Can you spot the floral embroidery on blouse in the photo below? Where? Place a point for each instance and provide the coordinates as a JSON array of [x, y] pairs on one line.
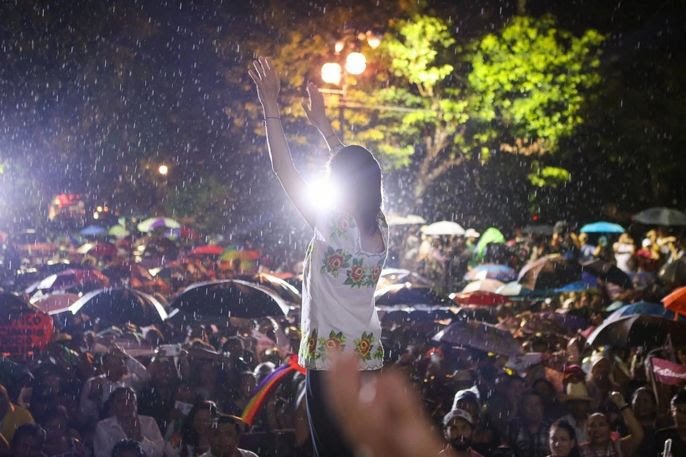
[[335, 260], [319, 348]]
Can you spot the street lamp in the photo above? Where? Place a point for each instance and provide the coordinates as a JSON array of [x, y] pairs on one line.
[[163, 170]]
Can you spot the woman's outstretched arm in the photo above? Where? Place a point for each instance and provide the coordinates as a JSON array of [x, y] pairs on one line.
[[268, 84], [316, 114]]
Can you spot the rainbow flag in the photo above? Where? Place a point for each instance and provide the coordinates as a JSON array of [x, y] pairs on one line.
[[268, 384]]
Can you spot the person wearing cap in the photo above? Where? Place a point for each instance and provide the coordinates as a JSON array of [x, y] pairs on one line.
[[600, 382], [226, 432], [458, 430], [468, 400], [578, 403]]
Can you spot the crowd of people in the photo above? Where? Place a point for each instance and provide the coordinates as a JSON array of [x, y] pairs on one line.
[[84, 394]]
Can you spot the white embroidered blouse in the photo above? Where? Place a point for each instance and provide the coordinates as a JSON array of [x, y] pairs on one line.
[[339, 281]]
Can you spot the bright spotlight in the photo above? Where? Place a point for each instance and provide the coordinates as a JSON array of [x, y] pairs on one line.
[[322, 194], [163, 170], [331, 73], [355, 63]]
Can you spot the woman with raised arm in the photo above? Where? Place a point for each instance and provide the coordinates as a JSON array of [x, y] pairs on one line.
[[344, 259]]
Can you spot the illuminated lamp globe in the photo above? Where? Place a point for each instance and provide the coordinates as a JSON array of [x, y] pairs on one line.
[[163, 170], [373, 41], [331, 73], [355, 63]]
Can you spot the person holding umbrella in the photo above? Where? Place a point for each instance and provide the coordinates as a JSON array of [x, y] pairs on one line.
[[344, 259]]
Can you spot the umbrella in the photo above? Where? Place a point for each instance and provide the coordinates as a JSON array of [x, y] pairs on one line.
[[229, 298], [608, 272], [576, 286], [491, 235], [549, 272], [74, 280], [99, 249], [118, 231], [12, 305], [53, 303], [208, 249], [120, 305], [479, 335], [153, 223], [277, 285], [642, 308], [602, 227], [443, 228], [513, 289], [676, 301], [480, 298], [408, 294], [661, 216], [542, 229], [502, 273], [410, 219], [638, 330], [398, 275], [92, 230], [483, 285]]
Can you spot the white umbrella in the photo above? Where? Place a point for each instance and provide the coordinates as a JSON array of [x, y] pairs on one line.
[[410, 219], [443, 228], [483, 285]]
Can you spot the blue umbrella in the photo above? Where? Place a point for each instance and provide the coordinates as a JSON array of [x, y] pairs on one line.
[[502, 273], [92, 230], [643, 308], [602, 227]]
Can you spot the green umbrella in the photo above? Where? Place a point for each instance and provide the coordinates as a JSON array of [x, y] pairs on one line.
[[491, 235], [118, 231]]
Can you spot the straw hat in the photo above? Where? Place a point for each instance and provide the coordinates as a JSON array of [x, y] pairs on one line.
[[576, 391]]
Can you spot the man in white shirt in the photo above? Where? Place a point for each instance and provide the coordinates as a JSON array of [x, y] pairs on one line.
[[226, 432], [119, 370], [125, 423]]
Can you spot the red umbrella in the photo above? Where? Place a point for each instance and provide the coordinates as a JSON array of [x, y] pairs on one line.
[[70, 279], [676, 301], [208, 249], [480, 298]]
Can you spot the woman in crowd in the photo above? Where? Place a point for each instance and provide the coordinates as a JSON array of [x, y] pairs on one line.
[[563, 440], [600, 443], [194, 438]]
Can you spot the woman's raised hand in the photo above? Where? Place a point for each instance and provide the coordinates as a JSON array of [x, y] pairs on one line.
[[314, 108], [267, 81]]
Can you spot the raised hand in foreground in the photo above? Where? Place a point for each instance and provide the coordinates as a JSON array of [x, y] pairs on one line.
[[382, 417]]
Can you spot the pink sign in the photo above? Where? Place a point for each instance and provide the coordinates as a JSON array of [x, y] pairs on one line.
[[669, 373]]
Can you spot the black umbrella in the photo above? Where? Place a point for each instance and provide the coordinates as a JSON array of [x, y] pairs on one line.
[[661, 216], [542, 229], [638, 330], [217, 300], [120, 305], [549, 272], [408, 294], [479, 335], [283, 289], [608, 272], [12, 306]]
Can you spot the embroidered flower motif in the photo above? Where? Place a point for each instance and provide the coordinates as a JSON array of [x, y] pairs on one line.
[[335, 260], [335, 342], [374, 274], [340, 226], [363, 345], [311, 346], [378, 354], [356, 274]]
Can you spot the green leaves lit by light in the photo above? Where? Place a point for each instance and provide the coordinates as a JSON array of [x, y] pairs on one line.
[[548, 176], [533, 79]]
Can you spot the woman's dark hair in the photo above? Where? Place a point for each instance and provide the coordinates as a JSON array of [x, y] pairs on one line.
[[190, 436], [563, 424], [356, 169], [106, 410], [127, 445]]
